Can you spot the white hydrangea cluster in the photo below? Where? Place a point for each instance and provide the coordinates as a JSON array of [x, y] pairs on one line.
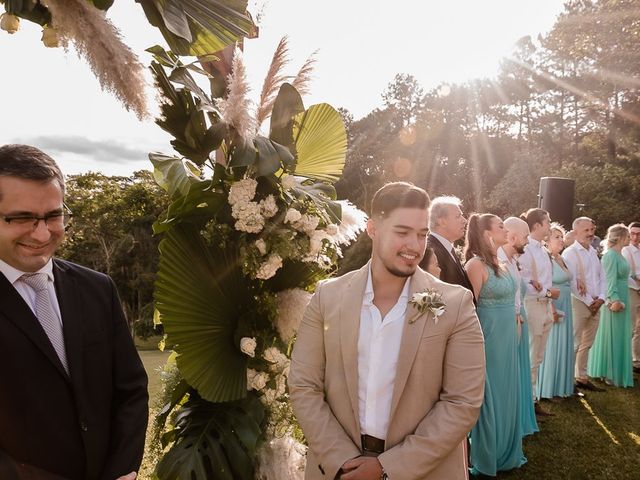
[[242, 191], [256, 380], [269, 268], [268, 207], [248, 217]]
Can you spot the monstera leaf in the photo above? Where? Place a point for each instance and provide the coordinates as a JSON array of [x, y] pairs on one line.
[[320, 143], [202, 298], [199, 27], [213, 441]]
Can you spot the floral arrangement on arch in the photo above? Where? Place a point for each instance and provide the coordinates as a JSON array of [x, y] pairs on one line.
[[253, 224]]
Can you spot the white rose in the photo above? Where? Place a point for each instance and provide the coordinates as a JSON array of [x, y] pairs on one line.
[[248, 346], [256, 380], [269, 268]]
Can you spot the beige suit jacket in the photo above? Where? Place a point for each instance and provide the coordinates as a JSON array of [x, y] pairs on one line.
[[438, 389]]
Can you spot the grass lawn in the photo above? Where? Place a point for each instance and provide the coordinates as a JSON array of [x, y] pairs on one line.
[[594, 438], [597, 437]]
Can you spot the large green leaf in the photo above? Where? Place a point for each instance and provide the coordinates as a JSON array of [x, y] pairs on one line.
[[286, 106], [320, 143], [214, 441], [202, 298], [173, 174], [199, 27]]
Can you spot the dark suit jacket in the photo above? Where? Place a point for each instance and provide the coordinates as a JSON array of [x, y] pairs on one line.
[[450, 270], [90, 426]]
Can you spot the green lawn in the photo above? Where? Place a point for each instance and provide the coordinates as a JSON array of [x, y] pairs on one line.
[[597, 437], [594, 438]]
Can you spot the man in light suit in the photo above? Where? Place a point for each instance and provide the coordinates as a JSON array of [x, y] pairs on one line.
[[447, 225], [380, 388], [74, 400]]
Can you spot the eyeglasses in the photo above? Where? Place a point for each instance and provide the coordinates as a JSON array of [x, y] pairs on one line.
[[54, 221]]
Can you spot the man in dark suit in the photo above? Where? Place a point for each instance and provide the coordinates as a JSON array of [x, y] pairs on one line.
[[74, 399], [447, 225]]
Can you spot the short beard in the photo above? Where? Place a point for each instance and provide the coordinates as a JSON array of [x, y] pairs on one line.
[[398, 273]]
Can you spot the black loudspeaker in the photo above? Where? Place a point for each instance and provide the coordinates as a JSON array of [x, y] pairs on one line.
[[556, 197]]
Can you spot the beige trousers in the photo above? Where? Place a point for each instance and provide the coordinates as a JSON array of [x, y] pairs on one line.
[[539, 321], [585, 326], [634, 310]]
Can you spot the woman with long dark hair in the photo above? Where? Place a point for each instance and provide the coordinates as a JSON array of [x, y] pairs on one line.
[[496, 440]]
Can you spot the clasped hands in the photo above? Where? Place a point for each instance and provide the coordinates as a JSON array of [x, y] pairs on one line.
[[616, 306], [360, 468]]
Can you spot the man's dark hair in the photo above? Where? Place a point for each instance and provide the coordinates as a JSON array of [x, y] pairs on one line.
[[29, 163], [634, 225], [533, 216], [398, 195]]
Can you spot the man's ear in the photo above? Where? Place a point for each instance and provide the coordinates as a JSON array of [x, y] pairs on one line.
[[371, 228]]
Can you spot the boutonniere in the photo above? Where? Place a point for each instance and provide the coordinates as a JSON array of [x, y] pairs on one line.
[[428, 301]]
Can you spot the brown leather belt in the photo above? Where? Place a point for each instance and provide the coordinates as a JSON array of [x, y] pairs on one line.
[[372, 445]]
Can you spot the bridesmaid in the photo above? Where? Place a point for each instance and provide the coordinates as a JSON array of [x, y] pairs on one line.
[[496, 439], [557, 368], [610, 355]]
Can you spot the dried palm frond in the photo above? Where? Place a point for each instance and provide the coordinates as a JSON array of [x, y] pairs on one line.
[[96, 39], [303, 79], [272, 81], [235, 108]]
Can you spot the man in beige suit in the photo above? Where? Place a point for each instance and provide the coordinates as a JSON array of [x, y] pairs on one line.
[[381, 388]]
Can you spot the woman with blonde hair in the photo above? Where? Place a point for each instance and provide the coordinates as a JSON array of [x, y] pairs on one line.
[[610, 355], [557, 368], [496, 440]]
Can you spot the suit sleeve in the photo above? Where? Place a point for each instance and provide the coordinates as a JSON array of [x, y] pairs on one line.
[[456, 411], [327, 439], [130, 409]]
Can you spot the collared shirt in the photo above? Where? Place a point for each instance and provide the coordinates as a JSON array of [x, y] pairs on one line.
[[445, 243], [378, 350], [28, 293], [632, 255], [512, 266], [543, 270], [594, 278]]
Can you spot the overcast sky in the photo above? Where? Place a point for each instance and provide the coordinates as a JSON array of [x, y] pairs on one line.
[[50, 98]]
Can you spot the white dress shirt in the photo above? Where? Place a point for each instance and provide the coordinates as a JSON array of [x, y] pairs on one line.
[[632, 255], [594, 278], [535, 252], [28, 293], [378, 350], [512, 266], [446, 243]]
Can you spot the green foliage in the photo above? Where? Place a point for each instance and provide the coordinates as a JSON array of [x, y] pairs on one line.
[[213, 441], [205, 306], [199, 27]]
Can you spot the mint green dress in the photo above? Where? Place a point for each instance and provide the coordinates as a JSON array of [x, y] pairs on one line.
[[557, 368], [496, 438], [610, 355]]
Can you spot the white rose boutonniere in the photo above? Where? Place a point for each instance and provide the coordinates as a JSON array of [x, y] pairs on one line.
[[428, 301]]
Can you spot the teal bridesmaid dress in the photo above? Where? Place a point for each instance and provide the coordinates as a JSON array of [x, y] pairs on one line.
[[557, 368], [610, 355], [496, 439], [528, 422]]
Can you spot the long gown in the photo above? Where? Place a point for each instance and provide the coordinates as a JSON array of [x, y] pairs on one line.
[[496, 439], [557, 368], [610, 355], [528, 422]]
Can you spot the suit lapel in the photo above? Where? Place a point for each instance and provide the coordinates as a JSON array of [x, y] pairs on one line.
[[350, 311], [71, 313], [411, 335], [18, 312]]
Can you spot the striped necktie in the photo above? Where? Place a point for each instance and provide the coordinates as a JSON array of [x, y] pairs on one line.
[[46, 314]]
